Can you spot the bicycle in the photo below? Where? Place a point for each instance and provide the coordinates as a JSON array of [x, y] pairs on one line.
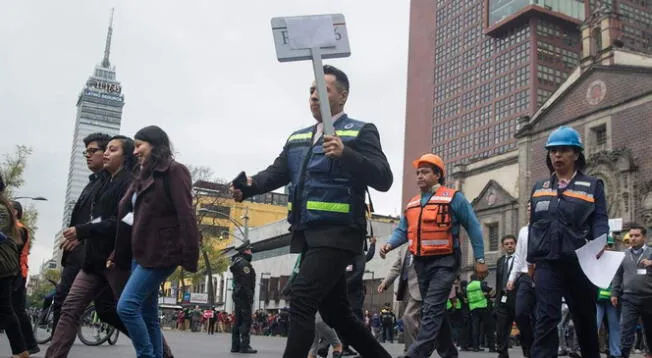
[[43, 328], [92, 331]]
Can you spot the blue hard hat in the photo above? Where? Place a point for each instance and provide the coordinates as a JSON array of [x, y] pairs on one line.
[[564, 137]]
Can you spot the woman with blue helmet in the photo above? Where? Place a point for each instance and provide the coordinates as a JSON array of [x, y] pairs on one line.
[[568, 208]]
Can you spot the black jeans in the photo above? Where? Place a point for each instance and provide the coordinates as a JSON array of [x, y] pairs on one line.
[[634, 307], [481, 326], [388, 333], [554, 280], [505, 313], [524, 315], [240, 333], [18, 301], [68, 275], [320, 286], [8, 319]]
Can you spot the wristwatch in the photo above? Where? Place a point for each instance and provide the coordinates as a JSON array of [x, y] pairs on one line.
[[480, 260]]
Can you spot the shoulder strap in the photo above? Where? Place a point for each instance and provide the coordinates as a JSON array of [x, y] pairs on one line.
[[370, 213]]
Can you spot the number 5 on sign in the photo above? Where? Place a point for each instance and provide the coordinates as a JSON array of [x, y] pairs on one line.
[[301, 38]]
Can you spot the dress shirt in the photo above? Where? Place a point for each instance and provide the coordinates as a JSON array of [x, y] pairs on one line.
[[520, 255], [319, 129]]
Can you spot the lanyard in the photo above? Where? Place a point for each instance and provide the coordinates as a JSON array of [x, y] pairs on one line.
[[638, 259]]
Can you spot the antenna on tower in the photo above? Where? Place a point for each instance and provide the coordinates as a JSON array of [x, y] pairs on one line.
[[107, 48]]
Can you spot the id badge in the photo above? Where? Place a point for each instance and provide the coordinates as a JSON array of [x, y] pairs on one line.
[[641, 271], [129, 219], [503, 299], [349, 268]]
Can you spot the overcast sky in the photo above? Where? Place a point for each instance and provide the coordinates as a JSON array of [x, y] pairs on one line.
[[206, 72]]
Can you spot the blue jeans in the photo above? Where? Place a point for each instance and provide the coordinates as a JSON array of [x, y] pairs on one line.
[[138, 309], [613, 321]]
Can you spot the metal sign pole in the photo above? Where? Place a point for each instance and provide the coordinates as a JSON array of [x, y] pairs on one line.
[[324, 105]]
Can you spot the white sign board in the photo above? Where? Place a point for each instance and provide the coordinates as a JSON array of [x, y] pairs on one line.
[[167, 300], [616, 225], [199, 298], [295, 36]]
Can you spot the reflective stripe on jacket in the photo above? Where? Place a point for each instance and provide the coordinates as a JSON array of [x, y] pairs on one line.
[[562, 220], [321, 191], [430, 226]]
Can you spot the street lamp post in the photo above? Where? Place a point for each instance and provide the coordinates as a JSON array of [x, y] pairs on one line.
[[260, 286], [371, 302]]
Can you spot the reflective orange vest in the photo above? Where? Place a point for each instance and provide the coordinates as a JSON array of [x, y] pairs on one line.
[[24, 253], [430, 227]]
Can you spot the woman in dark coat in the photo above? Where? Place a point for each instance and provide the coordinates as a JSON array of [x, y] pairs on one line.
[[157, 232]]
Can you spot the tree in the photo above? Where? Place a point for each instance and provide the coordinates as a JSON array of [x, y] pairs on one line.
[[211, 261], [12, 169], [42, 287]]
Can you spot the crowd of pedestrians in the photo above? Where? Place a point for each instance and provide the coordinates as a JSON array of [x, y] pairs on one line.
[[131, 227]]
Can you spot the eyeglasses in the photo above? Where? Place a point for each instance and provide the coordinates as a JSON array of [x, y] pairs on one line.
[[91, 151]]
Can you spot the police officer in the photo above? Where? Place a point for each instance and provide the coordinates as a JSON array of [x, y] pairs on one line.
[[328, 177], [244, 278], [431, 225], [568, 208], [388, 320]]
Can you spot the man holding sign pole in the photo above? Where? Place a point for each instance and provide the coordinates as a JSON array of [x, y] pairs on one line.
[[327, 176]]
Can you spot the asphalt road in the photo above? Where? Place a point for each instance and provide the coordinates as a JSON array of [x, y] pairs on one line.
[[186, 344]]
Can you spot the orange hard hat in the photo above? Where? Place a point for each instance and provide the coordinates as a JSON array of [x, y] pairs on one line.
[[431, 159]]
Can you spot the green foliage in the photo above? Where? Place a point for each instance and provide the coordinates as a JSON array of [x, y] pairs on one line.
[[12, 169], [42, 287]]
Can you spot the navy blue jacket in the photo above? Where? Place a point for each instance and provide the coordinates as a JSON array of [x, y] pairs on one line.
[[562, 220], [327, 195]]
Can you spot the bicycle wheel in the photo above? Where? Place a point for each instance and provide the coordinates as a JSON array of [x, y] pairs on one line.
[[43, 330], [113, 337], [92, 331]]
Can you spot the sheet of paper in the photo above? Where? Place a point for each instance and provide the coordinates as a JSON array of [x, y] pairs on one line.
[[616, 225], [599, 271], [310, 31]]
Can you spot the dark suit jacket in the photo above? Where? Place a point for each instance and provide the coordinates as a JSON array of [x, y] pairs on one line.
[[98, 235], [81, 214], [364, 159], [164, 231], [501, 271]]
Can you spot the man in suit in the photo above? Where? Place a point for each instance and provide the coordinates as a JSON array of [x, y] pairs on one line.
[[408, 290], [505, 298]]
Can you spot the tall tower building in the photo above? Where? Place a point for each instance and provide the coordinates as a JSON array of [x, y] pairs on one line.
[[476, 66], [99, 109]]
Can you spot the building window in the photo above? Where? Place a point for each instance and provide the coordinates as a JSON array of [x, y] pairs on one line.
[[492, 235], [598, 139]]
